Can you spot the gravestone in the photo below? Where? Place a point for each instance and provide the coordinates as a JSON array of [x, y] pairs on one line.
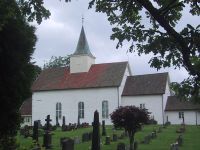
[[121, 146], [47, 135], [77, 140], [114, 137], [107, 140], [78, 123], [57, 122], [90, 136], [85, 137], [135, 145], [68, 144], [122, 135], [63, 124], [174, 146], [180, 140], [153, 135], [146, 139], [103, 128], [159, 129], [35, 131]]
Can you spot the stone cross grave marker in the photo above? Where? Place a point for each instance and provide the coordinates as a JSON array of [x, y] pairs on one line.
[[47, 135], [48, 120]]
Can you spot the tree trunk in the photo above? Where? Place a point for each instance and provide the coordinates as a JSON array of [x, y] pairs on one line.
[[131, 139]]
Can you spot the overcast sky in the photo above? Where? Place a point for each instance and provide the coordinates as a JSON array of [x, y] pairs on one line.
[[58, 36]]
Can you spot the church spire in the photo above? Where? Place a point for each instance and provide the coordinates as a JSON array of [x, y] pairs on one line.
[[82, 46]]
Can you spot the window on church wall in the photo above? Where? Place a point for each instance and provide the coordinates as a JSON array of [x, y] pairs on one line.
[[58, 110], [81, 110], [142, 106], [181, 115], [105, 109]]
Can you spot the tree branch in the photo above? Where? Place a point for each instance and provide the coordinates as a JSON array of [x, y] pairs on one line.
[[185, 51]]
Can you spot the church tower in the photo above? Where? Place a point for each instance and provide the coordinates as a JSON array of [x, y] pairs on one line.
[[82, 59]]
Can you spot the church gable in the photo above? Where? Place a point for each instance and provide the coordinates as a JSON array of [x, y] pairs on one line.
[[99, 75]]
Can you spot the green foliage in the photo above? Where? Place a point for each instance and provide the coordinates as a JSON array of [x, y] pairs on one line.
[[170, 47], [17, 42], [130, 118], [57, 62]]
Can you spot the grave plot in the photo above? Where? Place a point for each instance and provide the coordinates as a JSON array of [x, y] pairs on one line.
[[162, 141]]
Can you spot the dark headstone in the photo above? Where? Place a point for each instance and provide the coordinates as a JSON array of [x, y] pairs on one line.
[[85, 137], [159, 130], [78, 123], [47, 140], [47, 135], [48, 125], [35, 131], [57, 122], [77, 140], [90, 135], [153, 135], [103, 128], [115, 137], [174, 146], [107, 140], [180, 140], [96, 132], [146, 139], [135, 145], [121, 146], [68, 144], [26, 132]]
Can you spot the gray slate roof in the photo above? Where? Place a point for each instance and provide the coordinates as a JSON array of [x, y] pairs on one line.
[[82, 46], [149, 84], [26, 108], [175, 104]]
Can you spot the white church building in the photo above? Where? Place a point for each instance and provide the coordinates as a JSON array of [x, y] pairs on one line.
[[83, 87]]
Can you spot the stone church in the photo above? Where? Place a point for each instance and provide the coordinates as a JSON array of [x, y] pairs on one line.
[[83, 87]]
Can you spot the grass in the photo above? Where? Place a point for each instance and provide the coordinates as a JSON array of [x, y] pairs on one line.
[[162, 142]]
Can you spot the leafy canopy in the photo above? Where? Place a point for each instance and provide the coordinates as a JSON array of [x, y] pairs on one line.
[[150, 28], [130, 118], [57, 62], [17, 44]]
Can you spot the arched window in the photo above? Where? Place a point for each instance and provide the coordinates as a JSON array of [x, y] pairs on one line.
[[81, 110], [105, 109], [58, 110]]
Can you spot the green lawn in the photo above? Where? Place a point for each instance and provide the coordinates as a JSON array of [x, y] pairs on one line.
[[162, 142]]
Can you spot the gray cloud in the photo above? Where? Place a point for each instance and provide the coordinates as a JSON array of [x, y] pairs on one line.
[[58, 36]]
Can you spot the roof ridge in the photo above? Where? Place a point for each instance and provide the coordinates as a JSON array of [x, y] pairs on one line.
[[149, 74], [112, 62]]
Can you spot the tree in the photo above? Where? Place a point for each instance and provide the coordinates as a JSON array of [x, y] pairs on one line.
[[17, 41], [57, 62], [170, 46], [130, 118]]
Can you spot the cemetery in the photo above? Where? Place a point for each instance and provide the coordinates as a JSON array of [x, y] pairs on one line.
[[80, 136]]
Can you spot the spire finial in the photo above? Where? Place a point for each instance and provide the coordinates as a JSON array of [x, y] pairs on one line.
[[82, 19]]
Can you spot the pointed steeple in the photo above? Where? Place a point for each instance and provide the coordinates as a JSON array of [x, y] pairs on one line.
[[82, 46], [82, 59]]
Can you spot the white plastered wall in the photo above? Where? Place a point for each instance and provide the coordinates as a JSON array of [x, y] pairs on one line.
[[165, 97], [152, 102], [121, 87], [44, 103], [80, 63], [189, 117]]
